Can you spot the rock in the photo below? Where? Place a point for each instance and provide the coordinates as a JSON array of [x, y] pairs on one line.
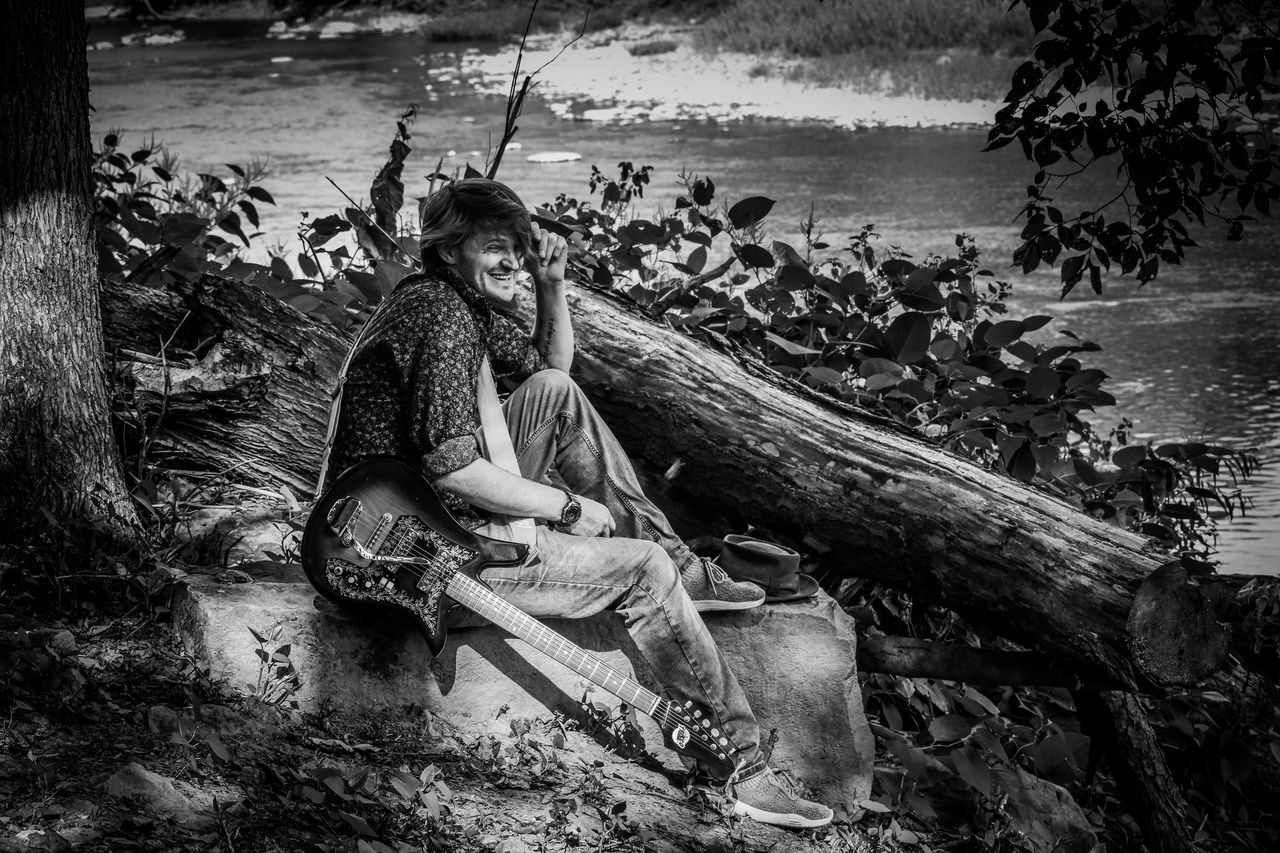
[[64, 643], [250, 543], [169, 724], [1048, 818], [48, 839], [154, 794], [795, 661], [554, 157]]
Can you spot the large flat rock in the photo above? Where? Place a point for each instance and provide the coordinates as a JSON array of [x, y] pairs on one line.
[[795, 661]]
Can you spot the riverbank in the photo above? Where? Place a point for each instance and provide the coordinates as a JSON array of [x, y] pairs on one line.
[[664, 72], [659, 73]]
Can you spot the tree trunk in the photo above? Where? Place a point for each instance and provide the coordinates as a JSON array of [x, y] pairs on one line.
[[56, 451]]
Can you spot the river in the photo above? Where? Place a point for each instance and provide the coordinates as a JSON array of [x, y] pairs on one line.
[[1191, 354]]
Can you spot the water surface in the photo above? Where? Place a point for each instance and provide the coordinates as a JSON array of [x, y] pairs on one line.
[[1191, 355]]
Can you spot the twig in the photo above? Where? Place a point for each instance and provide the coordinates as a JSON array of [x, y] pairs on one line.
[[415, 261], [515, 98]]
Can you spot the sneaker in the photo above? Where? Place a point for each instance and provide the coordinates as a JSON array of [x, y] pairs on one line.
[[712, 589], [768, 798]]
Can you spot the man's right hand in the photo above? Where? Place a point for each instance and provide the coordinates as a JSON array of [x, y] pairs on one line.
[[596, 520]]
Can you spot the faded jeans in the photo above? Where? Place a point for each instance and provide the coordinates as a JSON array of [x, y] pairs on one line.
[[554, 427]]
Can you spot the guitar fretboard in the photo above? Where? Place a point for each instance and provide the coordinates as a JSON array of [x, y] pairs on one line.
[[474, 596]]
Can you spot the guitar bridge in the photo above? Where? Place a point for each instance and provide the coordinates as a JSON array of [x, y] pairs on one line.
[[342, 520]]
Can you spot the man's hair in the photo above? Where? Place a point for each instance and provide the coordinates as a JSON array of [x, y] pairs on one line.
[[461, 208]]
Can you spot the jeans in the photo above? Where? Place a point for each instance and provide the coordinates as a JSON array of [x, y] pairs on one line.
[[636, 571]]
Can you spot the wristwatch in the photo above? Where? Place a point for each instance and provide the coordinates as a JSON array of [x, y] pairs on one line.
[[571, 512]]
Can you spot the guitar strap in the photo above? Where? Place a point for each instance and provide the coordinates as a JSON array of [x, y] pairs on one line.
[[335, 396], [499, 450]]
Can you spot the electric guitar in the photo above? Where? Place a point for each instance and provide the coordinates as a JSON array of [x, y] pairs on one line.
[[380, 537]]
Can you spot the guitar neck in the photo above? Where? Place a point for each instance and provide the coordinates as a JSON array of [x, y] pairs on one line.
[[475, 596]]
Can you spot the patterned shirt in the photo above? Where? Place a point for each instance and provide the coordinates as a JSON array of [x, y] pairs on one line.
[[410, 391]]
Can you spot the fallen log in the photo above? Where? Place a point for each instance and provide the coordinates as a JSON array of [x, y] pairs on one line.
[[916, 658], [220, 376]]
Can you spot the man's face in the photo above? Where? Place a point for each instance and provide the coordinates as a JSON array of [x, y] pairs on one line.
[[489, 261]]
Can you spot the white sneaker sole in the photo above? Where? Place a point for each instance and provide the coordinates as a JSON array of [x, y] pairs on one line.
[[790, 820], [702, 605]]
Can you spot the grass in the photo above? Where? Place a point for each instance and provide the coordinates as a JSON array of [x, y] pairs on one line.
[[951, 75], [837, 28]]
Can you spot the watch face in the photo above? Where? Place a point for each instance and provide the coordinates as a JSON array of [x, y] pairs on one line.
[[571, 513]]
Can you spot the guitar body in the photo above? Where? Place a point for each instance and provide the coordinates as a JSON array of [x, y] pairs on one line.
[[393, 513], [380, 538]]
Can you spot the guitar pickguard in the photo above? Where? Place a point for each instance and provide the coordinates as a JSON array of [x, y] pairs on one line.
[[411, 586]]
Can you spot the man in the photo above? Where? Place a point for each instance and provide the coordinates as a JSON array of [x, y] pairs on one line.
[[415, 390]]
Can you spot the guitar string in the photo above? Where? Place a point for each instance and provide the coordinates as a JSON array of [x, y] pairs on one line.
[[662, 706]]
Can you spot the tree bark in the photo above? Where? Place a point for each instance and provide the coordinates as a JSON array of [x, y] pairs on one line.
[[242, 389], [56, 451], [916, 658], [1141, 771]]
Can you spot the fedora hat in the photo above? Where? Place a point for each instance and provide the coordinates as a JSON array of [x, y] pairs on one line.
[[774, 567]]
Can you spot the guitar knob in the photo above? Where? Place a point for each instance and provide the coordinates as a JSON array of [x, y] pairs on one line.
[[715, 733]]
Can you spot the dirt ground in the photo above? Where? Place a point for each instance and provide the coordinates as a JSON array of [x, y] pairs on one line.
[[116, 739]]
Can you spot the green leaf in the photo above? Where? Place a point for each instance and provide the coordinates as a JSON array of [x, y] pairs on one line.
[[697, 260], [823, 376], [1022, 463], [181, 228], [704, 189], [217, 747], [897, 268], [359, 824], [791, 277], [250, 212], [1004, 333], [790, 347], [749, 211], [907, 337], [1043, 382], [755, 256], [921, 294], [972, 769], [787, 254], [951, 727], [1127, 457]]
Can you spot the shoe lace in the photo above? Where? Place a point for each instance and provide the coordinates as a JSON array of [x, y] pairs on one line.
[[715, 572]]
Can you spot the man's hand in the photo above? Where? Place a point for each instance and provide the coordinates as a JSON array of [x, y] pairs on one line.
[[596, 520], [547, 257]]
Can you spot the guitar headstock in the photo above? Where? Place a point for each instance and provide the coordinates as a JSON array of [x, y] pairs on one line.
[[690, 730]]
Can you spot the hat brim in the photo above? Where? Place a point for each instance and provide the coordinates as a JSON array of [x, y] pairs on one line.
[[807, 588]]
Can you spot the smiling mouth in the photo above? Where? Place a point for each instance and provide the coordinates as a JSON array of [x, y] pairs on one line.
[[501, 276]]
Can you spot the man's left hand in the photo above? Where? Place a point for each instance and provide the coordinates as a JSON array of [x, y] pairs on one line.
[[547, 257]]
